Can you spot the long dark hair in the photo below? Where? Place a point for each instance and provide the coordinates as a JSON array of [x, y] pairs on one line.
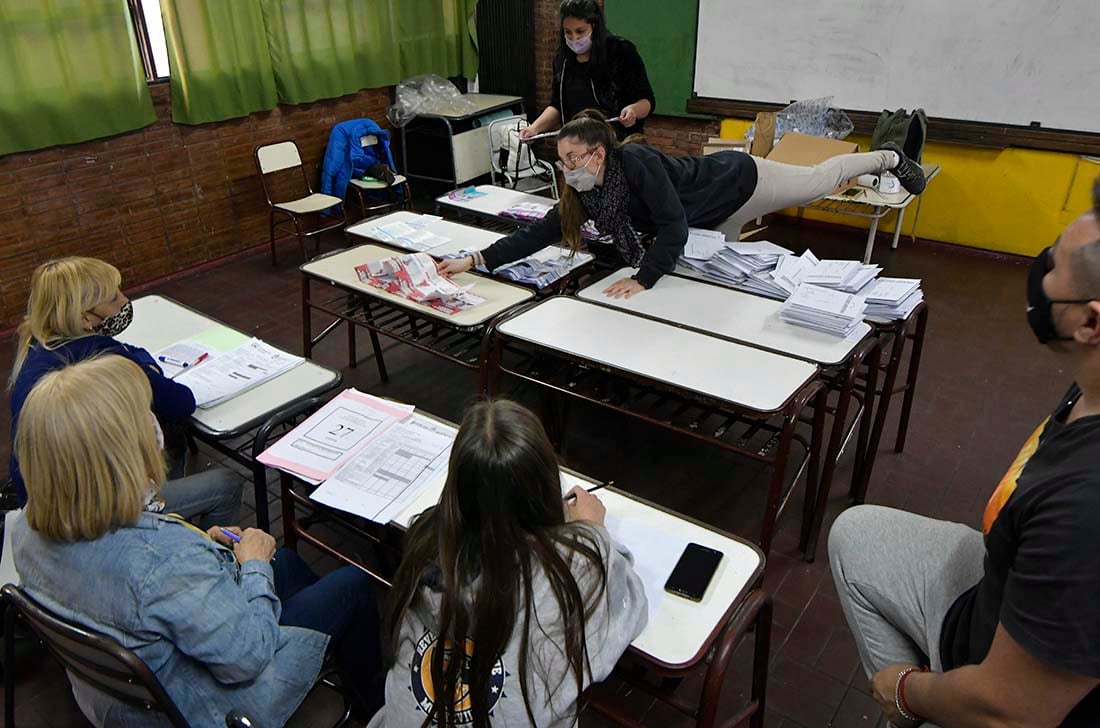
[[500, 521], [590, 12], [590, 128]]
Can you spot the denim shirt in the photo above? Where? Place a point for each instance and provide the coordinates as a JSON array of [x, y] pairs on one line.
[[206, 626]]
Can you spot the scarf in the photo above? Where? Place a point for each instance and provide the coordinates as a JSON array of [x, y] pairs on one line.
[[609, 207]]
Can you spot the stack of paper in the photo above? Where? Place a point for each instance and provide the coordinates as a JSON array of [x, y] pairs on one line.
[[735, 262], [589, 232], [318, 447], [527, 211], [823, 309], [236, 371], [893, 298], [703, 244], [411, 235], [415, 277]]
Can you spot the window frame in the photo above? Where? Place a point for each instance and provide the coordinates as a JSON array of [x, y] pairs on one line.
[[145, 45]]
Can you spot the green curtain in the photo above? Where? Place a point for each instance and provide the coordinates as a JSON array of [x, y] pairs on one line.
[[70, 71], [327, 48], [220, 65]]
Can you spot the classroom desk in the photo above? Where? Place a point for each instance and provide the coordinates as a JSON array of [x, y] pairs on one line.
[[722, 392], [467, 238], [457, 338], [489, 208], [438, 131], [873, 205], [683, 633], [160, 322], [754, 320], [897, 333]]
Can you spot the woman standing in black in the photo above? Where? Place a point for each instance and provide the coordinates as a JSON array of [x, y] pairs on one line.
[[595, 70]]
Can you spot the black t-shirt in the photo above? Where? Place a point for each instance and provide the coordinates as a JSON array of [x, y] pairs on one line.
[[1042, 563], [578, 91]]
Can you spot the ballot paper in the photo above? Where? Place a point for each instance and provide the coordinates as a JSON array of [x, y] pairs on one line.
[[410, 234], [823, 309], [466, 193], [893, 298], [540, 270], [388, 474], [235, 371], [527, 211], [655, 553], [318, 447], [415, 277], [703, 244], [181, 356]]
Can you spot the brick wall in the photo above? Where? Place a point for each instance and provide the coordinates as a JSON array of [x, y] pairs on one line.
[[154, 201], [670, 134]]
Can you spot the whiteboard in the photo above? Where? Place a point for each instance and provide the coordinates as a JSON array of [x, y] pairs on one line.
[[996, 61]]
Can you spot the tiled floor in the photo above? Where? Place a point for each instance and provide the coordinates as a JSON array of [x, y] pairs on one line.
[[984, 385]]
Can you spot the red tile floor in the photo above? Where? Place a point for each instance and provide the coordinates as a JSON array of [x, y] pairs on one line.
[[984, 384]]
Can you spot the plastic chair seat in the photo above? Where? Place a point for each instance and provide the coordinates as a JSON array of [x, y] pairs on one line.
[[305, 205], [398, 180]]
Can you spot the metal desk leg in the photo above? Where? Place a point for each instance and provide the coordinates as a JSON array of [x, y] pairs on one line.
[[870, 240], [916, 219], [911, 381], [897, 228], [307, 320]]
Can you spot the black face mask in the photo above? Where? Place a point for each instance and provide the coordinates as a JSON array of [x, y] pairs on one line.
[[1040, 313], [116, 323]]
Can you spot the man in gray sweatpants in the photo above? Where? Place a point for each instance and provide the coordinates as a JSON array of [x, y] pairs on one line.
[[962, 628]]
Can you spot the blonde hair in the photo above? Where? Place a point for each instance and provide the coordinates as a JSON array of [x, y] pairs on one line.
[[87, 449], [62, 291]]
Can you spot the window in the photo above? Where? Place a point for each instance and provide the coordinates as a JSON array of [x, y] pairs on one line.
[[149, 29]]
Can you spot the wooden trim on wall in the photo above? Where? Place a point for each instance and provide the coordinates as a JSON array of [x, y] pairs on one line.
[[972, 133]]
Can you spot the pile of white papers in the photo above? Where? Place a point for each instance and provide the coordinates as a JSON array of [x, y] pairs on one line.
[[823, 309], [410, 235], [893, 298], [415, 277], [233, 372], [318, 447], [545, 267]]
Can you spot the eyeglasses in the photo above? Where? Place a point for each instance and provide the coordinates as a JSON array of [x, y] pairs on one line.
[[572, 161]]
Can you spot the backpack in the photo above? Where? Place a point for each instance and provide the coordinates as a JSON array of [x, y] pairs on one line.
[[908, 131]]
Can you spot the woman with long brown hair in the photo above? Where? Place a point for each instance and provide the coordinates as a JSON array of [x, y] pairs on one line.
[[632, 189], [509, 601]]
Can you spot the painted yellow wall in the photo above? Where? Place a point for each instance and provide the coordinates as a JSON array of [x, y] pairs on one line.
[[1009, 200]]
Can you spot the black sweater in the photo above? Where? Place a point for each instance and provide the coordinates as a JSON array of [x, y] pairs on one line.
[[667, 194], [620, 80]]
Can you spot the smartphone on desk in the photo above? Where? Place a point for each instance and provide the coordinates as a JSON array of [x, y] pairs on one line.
[[692, 574]]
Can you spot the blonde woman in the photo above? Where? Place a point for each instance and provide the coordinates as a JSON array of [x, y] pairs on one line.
[[75, 310], [222, 625]]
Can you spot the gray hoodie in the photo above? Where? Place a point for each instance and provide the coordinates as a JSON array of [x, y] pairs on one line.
[[617, 620]]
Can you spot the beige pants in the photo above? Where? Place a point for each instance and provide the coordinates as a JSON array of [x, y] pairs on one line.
[[779, 186]]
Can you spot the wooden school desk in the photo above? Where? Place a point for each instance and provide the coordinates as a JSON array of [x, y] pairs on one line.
[[873, 205], [711, 389], [683, 633], [160, 322], [753, 320], [457, 338], [895, 334], [466, 238], [489, 207]]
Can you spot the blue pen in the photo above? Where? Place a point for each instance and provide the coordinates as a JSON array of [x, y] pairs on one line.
[[174, 362], [230, 535]]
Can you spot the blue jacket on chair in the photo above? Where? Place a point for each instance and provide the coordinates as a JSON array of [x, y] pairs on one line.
[[346, 158]]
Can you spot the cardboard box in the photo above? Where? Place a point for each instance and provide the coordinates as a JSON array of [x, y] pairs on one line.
[[806, 151], [718, 144]]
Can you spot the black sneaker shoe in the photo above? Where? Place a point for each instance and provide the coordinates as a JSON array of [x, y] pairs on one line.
[[908, 172]]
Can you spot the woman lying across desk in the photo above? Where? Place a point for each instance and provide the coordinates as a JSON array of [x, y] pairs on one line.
[[540, 598], [631, 188], [76, 308], [221, 625]]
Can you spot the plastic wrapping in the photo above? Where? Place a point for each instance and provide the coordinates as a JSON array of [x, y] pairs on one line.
[[815, 117], [418, 93]]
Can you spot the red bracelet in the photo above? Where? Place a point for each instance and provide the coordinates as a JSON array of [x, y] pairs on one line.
[[903, 704]]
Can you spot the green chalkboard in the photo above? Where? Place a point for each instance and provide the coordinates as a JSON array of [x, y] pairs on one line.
[[664, 32]]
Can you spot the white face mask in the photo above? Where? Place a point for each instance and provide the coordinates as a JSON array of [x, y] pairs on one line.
[[581, 45], [580, 178]]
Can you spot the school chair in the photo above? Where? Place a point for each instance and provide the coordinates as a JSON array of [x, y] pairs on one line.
[[400, 193], [293, 214], [515, 162], [101, 662]]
